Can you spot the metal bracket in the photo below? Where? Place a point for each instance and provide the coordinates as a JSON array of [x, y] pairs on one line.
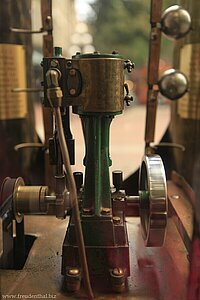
[[26, 90], [47, 27]]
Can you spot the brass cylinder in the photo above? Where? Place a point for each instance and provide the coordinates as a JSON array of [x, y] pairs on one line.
[[103, 84], [30, 199]]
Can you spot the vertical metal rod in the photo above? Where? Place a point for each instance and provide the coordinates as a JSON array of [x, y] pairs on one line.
[[46, 14], [20, 252], [74, 202], [153, 67]]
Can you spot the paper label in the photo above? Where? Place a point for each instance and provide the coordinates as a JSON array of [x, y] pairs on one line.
[[189, 104], [12, 75]]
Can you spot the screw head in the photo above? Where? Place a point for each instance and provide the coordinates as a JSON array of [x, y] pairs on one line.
[[69, 63], [48, 18], [175, 197], [74, 271], [72, 92], [54, 63], [87, 211], [115, 52], [116, 219], [72, 72], [105, 210], [117, 272]]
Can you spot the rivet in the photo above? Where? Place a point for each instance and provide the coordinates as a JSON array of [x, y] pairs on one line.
[[116, 219], [87, 211], [105, 210], [72, 72], [74, 271], [72, 92], [175, 197], [54, 63], [117, 272], [69, 63]]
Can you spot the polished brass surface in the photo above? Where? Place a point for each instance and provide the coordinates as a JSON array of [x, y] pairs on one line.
[[188, 106], [29, 199], [154, 208], [103, 84], [18, 215], [74, 271]]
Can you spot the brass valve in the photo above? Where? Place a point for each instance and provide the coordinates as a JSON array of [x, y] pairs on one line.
[[31, 200]]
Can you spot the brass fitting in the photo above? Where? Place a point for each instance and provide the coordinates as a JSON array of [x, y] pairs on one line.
[[54, 92], [28, 199], [55, 96]]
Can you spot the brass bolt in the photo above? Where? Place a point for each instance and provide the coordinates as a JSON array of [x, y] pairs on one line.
[[117, 272], [175, 197], [54, 63], [72, 72], [118, 280], [48, 18], [116, 219], [87, 211], [115, 52], [74, 272], [105, 210], [72, 92], [69, 63]]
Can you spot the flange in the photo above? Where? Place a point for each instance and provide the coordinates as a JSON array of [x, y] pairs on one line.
[[153, 200], [9, 189]]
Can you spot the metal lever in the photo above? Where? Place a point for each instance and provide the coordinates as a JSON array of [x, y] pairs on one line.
[[29, 31], [47, 26], [128, 98], [26, 90]]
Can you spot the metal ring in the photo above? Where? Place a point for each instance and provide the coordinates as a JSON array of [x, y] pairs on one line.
[[19, 182], [9, 188], [153, 200]]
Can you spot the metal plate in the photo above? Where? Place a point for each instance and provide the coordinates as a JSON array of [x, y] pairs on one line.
[[151, 268]]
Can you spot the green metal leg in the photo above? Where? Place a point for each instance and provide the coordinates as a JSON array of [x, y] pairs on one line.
[[97, 196]]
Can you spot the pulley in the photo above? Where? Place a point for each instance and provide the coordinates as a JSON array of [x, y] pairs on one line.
[[153, 200]]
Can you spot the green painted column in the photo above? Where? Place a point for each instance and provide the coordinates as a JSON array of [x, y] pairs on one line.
[[97, 194]]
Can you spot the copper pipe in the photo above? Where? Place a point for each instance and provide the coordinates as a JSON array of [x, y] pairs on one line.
[[74, 201]]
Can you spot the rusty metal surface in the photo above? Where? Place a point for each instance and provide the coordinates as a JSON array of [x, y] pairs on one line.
[[156, 273], [153, 65]]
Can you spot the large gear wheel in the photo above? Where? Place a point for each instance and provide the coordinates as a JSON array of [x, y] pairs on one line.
[[153, 200]]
